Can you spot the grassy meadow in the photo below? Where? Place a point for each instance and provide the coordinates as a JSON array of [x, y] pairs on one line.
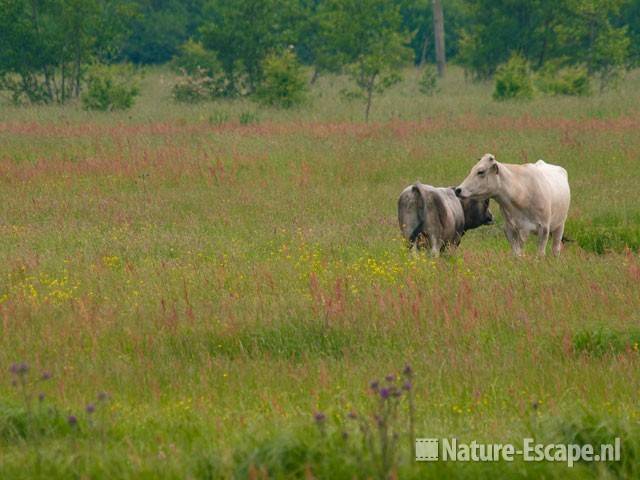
[[224, 272]]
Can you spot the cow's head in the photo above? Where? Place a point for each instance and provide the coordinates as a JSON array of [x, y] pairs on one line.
[[476, 213], [482, 182]]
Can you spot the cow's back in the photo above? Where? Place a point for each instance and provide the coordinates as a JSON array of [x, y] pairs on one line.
[[557, 191], [451, 215]]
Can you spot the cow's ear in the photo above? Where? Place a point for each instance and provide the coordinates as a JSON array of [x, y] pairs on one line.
[[494, 168]]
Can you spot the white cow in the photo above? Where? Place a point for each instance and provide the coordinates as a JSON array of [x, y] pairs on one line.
[[533, 198]]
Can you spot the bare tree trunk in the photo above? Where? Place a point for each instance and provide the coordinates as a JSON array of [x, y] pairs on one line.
[[423, 54], [438, 29], [372, 83], [78, 67], [315, 75], [62, 83]]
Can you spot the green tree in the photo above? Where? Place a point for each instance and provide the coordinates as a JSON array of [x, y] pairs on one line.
[[284, 84], [572, 32], [588, 36], [244, 32], [45, 45], [159, 27], [366, 35]]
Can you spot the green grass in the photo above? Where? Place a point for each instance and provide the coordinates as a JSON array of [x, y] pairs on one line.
[[224, 271]]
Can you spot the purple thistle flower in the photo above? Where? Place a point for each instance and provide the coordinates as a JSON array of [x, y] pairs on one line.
[[407, 386], [319, 417], [45, 376], [384, 393], [73, 421], [90, 408], [390, 378], [19, 368], [407, 370], [375, 385]]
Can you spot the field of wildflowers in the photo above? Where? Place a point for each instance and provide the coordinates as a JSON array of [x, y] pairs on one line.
[[221, 291]]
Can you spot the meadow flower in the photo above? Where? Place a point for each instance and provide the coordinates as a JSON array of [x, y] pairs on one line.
[[45, 376], [390, 378], [319, 417], [19, 369], [407, 372], [72, 420], [406, 386], [384, 393], [375, 385], [90, 408]]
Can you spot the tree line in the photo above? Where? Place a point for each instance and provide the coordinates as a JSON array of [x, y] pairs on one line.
[[49, 47]]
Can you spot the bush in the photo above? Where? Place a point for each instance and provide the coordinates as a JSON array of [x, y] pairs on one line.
[[193, 58], [607, 233], [247, 118], [604, 341], [198, 86], [428, 80], [513, 80], [566, 81], [284, 83], [110, 87]]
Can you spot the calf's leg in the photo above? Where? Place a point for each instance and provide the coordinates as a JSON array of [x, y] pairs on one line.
[[436, 245]]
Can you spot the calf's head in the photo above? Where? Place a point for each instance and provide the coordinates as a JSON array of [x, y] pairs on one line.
[[483, 180], [476, 213]]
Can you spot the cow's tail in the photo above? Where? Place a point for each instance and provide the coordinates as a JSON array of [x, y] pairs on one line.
[[419, 213]]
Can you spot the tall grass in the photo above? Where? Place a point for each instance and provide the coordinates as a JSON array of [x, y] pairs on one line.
[[224, 279]]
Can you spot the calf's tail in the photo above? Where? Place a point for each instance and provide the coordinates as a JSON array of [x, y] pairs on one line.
[[419, 212]]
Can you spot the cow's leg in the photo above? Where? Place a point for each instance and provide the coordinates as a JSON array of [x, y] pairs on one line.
[[543, 238], [514, 238], [557, 240], [435, 244]]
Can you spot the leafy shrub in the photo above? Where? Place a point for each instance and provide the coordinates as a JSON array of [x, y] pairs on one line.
[[193, 58], [601, 341], [110, 87], [428, 83], [607, 233], [513, 80], [197, 87], [563, 81], [202, 77], [247, 118], [218, 118], [284, 83], [592, 429]]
